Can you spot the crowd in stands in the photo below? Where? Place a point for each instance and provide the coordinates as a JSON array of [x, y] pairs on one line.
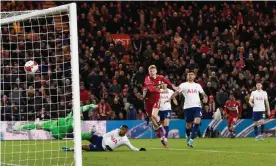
[[229, 45]]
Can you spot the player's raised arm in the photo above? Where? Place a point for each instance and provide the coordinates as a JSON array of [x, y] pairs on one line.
[[178, 90], [166, 81], [267, 104]]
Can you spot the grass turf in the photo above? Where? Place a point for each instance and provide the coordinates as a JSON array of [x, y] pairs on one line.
[[210, 152]]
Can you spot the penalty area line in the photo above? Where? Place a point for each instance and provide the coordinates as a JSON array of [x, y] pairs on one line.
[[213, 151]]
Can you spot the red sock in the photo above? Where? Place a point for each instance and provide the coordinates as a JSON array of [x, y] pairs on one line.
[[158, 133]]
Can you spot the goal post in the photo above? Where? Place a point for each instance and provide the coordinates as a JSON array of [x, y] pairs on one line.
[[49, 37], [75, 81]]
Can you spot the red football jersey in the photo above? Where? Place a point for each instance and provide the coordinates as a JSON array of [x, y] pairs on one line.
[[232, 108], [152, 87]]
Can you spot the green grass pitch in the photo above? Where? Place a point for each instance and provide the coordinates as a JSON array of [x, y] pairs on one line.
[[207, 152]]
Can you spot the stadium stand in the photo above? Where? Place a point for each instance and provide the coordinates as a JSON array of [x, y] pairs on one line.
[[230, 45]]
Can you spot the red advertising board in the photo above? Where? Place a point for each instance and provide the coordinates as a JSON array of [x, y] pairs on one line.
[[124, 38]]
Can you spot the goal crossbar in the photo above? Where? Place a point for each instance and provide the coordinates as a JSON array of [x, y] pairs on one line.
[[36, 13]]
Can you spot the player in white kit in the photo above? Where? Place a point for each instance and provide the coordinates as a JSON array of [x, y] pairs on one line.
[[192, 106], [165, 110], [109, 141], [259, 101]]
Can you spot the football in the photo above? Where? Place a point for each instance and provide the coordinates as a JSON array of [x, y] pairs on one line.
[[31, 67]]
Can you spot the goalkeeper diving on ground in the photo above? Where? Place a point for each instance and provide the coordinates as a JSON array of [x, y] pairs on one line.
[[108, 142], [58, 128]]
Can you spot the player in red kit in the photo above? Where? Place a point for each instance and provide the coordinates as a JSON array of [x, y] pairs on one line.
[[232, 110], [151, 93]]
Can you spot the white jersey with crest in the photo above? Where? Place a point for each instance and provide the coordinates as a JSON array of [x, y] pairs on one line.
[[113, 140], [191, 93], [259, 98], [165, 100]]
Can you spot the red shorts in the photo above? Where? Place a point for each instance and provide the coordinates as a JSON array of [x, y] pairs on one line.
[[149, 106], [232, 120]]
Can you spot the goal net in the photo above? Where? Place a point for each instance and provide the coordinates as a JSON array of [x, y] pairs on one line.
[[36, 108]]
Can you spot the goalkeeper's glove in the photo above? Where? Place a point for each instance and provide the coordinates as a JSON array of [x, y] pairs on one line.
[[142, 149]]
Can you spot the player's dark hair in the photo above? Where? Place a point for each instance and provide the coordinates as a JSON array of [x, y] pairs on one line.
[[191, 71], [124, 126]]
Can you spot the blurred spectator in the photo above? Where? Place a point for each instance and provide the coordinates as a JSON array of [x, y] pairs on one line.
[[115, 88], [221, 97], [207, 113], [104, 110], [15, 95], [141, 115], [116, 106], [30, 92], [212, 104], [84, 96], [139, 77], [43, 115], [131, 113], [136, 99], [121, 116], [209, 89]]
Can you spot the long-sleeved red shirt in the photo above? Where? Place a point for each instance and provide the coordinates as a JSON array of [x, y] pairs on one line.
[[232, 108], [152, 87]]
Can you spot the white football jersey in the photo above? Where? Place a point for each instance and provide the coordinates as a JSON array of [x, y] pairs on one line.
[[191, 93], [259, 98], [113, 140], [165, 100]]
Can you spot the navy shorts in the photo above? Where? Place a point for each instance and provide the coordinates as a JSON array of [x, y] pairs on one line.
[[192, 113], [96, 144], [166, 114], [258, 115]]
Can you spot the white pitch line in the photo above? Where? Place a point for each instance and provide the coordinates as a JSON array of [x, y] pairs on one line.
[[10, 164], [213, 151]]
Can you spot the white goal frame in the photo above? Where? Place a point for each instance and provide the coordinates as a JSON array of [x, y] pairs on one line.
[[72, 10]]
